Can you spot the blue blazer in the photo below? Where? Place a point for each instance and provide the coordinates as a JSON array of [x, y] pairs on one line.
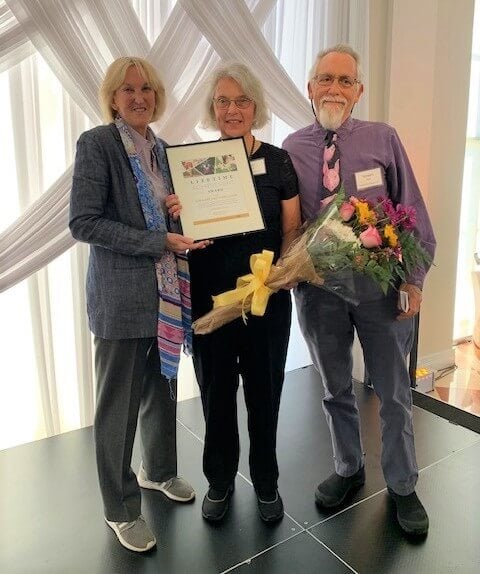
[[122, 296]]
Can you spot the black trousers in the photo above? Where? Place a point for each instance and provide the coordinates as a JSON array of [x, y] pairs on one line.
[[256, 351]]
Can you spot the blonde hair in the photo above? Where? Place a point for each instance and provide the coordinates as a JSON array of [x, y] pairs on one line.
[[341, 49], [249, 84], [115, 77]]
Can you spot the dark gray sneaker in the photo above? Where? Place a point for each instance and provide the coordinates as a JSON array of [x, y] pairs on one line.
[[335, 489], [216, 503], [411, 514], [270, 507]]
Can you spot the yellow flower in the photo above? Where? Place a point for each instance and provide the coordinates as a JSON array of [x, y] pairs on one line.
[[390, 235], [366, 216]]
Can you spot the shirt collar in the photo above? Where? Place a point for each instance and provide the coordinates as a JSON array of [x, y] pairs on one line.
[[142, 143], [342, 133]]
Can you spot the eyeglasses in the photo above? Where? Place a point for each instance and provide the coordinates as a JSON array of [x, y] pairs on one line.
[[242, 103], [343, 81]]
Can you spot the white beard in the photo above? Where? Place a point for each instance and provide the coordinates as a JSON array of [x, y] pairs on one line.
[[330, 121], [330, 117]]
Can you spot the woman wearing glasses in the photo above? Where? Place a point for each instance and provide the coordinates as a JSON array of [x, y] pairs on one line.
[[235, 104]]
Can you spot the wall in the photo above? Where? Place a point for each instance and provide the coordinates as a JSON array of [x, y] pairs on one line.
[[425, 96]]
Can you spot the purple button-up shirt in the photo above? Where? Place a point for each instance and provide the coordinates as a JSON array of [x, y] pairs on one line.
[[363, 146]]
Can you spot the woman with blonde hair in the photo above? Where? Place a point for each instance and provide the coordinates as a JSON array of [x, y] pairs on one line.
[[138, 297]]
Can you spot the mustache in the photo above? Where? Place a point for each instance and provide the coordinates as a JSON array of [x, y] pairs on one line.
[[336, 99]]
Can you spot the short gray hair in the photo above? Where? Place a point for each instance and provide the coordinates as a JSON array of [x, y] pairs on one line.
[[341, 49], [249, 84]]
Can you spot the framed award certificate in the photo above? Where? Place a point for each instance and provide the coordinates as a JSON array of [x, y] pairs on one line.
[[215, 185]]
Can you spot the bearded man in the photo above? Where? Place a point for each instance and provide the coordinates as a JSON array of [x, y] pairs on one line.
[[368, 159]]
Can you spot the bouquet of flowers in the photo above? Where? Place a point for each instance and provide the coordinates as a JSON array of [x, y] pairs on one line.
[[373, 239], [347, 237]]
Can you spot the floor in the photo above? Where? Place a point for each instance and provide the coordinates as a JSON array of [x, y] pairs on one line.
[[460, 387], [51, 518]]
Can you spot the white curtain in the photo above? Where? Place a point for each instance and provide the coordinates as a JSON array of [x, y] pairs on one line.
[[14, 43], [184, 40], [28, 244]]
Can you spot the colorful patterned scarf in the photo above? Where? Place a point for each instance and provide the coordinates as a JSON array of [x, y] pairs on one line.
[[173, 276]]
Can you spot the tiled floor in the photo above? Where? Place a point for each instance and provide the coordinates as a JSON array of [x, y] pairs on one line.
[[461, 387], [51, 515]]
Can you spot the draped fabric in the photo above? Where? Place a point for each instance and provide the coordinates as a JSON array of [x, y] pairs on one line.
[[14, 43], [76, 41], [79, 39]]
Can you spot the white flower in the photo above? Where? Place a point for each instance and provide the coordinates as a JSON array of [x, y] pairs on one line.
[[341, 231]]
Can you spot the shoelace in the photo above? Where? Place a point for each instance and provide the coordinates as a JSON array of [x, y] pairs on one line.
[[122, 526], [168, 483]]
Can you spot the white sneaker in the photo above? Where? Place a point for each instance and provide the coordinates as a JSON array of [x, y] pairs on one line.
[[175, 488], [135, 535]]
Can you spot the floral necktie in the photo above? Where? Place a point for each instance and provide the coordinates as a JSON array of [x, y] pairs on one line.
[[331, 164]]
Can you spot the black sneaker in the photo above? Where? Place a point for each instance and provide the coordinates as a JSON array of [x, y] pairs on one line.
[[270, 507], [411, 514], [215, 504], [335, 489]]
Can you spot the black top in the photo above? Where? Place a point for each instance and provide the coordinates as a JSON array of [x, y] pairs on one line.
[[216, 268]]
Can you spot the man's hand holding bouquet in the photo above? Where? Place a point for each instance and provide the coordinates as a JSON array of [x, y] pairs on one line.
[[347, 236]]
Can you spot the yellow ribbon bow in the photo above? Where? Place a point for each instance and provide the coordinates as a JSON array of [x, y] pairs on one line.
[[251, 284]]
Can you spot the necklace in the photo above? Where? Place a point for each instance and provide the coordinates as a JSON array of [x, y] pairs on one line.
[[251, 148], [250, 153]]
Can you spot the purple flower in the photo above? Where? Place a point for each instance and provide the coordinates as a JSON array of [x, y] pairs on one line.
[[387, 206], [407, 216], [400, 216]]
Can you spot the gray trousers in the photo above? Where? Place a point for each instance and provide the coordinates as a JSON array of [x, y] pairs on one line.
[[327, 323], [130, 387]]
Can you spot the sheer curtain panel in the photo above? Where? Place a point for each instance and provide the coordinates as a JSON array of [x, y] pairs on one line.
[[53, 55]]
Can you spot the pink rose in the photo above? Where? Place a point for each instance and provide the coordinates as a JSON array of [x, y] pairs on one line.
[[327, 200], [346, 211], [370, 237]]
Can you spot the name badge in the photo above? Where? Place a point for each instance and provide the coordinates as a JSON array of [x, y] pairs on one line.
[[368, 178], [258, 166]]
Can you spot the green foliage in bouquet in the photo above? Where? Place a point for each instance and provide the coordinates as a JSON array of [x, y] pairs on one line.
[[373, 239]]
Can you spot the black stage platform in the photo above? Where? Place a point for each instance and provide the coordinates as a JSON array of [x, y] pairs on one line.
[[51, 514]]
